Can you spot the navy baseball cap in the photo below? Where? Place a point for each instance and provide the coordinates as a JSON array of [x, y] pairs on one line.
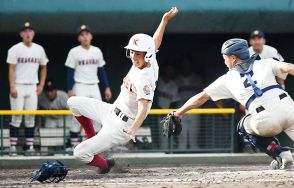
[[26, 25], [83, 28], [49, 85], [257, 33]]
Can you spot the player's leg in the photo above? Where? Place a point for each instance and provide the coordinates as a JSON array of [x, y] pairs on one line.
[[110, 135], [269, 145], [87, 109], [15, 104], [95, 93], [30, 103]]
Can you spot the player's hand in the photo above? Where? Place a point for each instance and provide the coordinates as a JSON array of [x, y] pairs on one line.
[[13, 92], [70, 93], [108, 94], [131, 133], [39, 90], [177, 114], [170, 14]]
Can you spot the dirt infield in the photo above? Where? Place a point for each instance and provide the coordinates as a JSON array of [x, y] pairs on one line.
[[164, 177]]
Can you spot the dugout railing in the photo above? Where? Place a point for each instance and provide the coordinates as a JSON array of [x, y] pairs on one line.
[[205, 130]]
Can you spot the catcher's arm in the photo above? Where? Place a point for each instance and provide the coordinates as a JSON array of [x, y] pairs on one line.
[[194, 102], [158, 35], [141, 115]]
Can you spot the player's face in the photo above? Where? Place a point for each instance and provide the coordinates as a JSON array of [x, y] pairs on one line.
[[138, 58], [51, 95], [230, 60], [85, 38], [27, 35], [257, 43]]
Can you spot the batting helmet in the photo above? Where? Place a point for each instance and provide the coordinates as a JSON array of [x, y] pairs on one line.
[[142, 43], [237, 47]]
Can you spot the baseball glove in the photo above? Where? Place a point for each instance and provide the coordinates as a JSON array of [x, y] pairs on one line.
[[171, 125]]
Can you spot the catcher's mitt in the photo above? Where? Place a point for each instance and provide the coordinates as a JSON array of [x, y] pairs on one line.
[[171, 125], [50, 171]]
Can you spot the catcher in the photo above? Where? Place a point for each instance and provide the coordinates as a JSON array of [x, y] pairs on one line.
[[252, 83]]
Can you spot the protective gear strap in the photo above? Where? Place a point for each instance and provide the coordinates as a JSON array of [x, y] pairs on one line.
[[103, 77], [253, 97], [258, 92], [70, 78]]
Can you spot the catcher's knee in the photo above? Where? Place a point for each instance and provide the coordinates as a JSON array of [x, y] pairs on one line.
[[269, 145]]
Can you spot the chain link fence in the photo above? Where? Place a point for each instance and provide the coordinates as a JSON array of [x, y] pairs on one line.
[[204, 130]]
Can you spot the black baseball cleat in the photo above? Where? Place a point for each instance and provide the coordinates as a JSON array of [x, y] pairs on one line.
[[110, 163]]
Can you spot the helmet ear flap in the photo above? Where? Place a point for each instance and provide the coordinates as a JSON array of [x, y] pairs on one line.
[[148, 56], [128, 53]]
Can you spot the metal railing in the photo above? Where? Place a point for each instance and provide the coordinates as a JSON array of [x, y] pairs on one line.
[[204, 130]]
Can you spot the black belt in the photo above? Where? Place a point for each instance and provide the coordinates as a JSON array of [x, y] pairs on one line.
[[261, 108], [253, 97], [120, 114]]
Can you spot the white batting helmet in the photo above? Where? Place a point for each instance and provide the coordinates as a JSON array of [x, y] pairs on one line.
[[142, 43]]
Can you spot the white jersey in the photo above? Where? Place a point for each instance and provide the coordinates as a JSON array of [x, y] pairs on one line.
[[167, 93], [27, 61], [86, 63], [267, 52], [138, 84], [236, 86]]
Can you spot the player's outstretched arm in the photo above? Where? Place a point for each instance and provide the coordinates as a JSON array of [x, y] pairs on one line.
[[158, 35], [194, 102], [288, 68], [141, 115]]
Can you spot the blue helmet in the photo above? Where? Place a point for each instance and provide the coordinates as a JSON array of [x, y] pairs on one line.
[[237, 47]]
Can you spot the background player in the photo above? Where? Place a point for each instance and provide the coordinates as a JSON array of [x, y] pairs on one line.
[[257, 45], [121, 119], [252, 83], [24, 60], [85, 69], [53, 99]]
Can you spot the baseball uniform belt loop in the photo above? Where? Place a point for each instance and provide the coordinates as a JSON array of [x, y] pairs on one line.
[[253, 97], [120, 114], [261, 108]]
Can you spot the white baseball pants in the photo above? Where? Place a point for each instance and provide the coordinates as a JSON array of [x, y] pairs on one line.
[[26, 100], [111, 133]]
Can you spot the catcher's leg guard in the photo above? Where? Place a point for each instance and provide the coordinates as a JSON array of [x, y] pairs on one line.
[[269, 145]]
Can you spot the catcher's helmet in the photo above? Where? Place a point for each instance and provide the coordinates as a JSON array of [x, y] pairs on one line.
[[142, 43], [50, 171], [237, 47]]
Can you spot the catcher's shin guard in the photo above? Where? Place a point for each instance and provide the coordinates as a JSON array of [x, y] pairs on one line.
[[269, 145]]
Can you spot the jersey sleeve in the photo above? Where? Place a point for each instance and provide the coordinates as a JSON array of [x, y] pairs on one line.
[[44, 59], [218, 90], [276, 67], [144, 90], [101, 61], [70, 60], [11, 56]]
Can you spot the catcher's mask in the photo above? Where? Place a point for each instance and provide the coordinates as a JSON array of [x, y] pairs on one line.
[[141, 43], [50, 171]]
